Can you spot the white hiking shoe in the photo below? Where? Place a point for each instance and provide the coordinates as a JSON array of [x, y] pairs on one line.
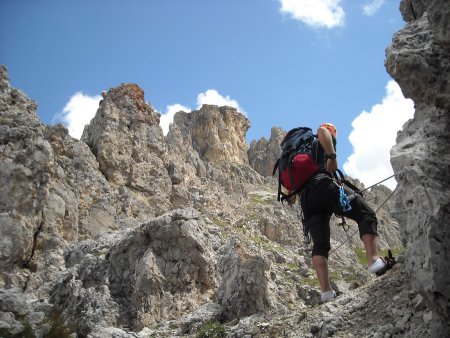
[[327, 296], [381, 265], [376, 266]]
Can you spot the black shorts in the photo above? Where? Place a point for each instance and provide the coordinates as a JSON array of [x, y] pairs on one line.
[[319, 200]]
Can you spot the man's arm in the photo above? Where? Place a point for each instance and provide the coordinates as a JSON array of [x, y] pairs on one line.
[[326, 141]]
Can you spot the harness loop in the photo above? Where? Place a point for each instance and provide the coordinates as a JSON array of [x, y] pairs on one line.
[[357, 229]]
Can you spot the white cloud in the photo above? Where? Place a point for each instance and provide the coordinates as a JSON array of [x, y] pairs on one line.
[[374, 134], [211, 96], [315, 13], [372, 7], [78, 112], [167, 118]]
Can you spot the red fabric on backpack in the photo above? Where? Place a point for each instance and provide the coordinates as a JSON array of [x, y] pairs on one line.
[[301, 169]]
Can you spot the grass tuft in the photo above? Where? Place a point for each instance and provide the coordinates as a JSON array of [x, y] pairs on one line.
[[58, 328], [212, 330]]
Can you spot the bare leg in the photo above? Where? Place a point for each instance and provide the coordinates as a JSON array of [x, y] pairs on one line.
[[320, 264], [370, 243]]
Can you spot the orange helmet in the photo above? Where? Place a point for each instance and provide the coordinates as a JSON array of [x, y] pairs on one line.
[[331, 128]]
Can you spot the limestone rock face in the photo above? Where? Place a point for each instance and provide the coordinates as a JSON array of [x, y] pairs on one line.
[[438, 16], [127, 141], [419, 60], [51, 194], [263, 154], [207, 148], [157, 270], [26, 161], [216, 133], [244, 289], [412, 9]]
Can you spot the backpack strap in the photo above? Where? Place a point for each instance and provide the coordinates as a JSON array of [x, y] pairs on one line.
[[291, 176], [275, 168], [280, 192]]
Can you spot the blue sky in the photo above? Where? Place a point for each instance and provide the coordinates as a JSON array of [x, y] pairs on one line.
[[283, 63]]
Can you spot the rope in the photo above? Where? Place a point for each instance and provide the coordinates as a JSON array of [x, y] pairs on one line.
[[343, 200], [387, 199], [377, 183]]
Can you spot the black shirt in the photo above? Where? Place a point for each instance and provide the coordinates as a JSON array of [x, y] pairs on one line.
[[320, 156]]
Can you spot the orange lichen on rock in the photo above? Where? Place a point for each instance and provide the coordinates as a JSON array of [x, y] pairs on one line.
[[133, 91]]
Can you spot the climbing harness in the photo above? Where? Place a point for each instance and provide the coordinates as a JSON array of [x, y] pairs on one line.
[[344, 202], [344, 199], [348, 238]]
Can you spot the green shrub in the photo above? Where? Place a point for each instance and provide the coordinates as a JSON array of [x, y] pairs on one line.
[[212, 330], [58, 329]]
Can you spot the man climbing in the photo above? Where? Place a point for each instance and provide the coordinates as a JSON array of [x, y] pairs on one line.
[[320, 199]]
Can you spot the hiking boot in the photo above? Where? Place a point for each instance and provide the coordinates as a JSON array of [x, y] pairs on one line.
[[381, 265], [327, 296]]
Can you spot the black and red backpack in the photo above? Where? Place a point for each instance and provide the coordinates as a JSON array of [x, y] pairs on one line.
[[298, 161]]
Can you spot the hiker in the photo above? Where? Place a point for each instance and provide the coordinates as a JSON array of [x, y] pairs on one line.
[[320, 198]]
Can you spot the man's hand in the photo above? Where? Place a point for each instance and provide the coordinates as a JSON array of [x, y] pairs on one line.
[[332, 165]]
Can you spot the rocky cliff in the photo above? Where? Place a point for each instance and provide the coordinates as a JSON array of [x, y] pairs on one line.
[[419, 60], [216, 133], [126, 230], [128, 233], [263, 153]]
